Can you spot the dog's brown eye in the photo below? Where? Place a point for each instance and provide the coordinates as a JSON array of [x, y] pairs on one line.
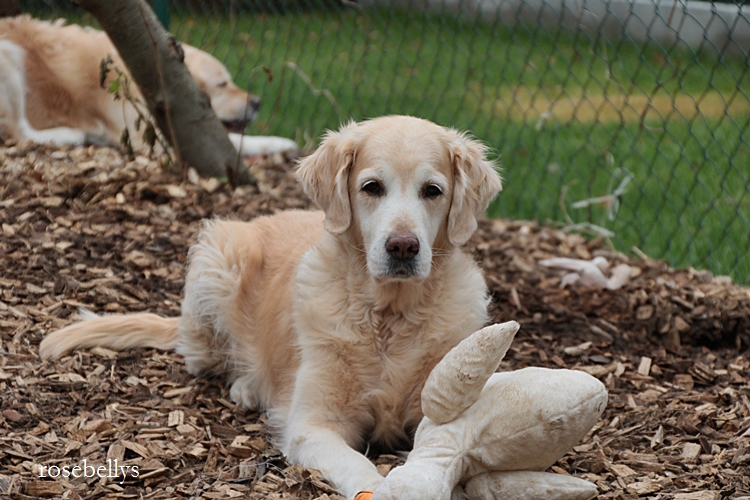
[[223, 84], [372, 188], [432, 191]]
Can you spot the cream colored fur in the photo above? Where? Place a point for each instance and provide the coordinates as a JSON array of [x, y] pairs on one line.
[[13, 122], [50, 92], [307, 323]]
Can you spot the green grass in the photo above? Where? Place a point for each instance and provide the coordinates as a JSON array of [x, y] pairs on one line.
[[688, 200]]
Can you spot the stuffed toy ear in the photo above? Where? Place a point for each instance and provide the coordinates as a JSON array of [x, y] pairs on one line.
[[324, 176], [528, 485], [476, 182], [457, 380]]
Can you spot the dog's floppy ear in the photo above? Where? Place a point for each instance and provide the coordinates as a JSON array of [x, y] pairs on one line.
[[476, 182], [324, 176]]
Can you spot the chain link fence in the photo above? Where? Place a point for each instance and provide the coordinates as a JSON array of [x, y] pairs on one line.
[[625, 119]]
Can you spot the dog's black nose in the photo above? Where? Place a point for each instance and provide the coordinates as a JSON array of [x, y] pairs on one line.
[[254, 102], [402, 246]]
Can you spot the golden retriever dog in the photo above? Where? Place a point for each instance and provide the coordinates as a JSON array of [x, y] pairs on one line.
[[332, 320], [50, 89]]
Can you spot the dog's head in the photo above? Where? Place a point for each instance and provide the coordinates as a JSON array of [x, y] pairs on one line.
[[234, 107], [402, 188]]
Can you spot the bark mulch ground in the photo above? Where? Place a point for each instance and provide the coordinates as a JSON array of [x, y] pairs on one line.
[[88, 228]]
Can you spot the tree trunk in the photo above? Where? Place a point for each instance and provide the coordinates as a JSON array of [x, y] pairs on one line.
[[181, 109]]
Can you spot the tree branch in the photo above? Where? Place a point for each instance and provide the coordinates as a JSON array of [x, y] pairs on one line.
[[181, 109]]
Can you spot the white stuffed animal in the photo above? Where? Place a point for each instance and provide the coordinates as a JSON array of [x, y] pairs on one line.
[[490, 436]]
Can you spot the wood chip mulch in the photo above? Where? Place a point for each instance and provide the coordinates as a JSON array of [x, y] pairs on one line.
[[86, 227]]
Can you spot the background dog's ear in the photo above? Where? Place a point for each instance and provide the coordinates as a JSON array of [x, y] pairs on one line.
[[476, 182], [324, 176]]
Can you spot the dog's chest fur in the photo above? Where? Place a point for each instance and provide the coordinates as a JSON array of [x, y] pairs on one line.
[[388, 336]]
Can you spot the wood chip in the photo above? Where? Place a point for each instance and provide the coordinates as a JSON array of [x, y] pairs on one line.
[[187, 430], [197, 451], [644, 368], [691, 450], [622, 470], [644, 487], [577, 350], [44, 489], [116, 451], [240, 447], [698, 495], [96, 425], [172, 393], [658, 437], [685, 381], [644, 312], [137, 448], [52, 201], [176, 418]]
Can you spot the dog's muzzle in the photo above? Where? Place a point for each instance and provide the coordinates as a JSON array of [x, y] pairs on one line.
[[238, 125]]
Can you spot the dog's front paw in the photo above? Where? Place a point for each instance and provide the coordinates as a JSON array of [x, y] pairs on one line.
[[242, 394]]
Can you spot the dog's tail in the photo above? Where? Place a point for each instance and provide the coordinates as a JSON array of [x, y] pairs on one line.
[[118, 332]]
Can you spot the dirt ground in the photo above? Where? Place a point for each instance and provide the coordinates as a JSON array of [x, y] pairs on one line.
[[88, 228]]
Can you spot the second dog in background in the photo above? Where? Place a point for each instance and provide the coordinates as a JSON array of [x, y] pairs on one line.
[[50, 89]]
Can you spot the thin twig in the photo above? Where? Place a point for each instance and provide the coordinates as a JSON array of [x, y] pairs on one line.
[[308, 81], [612, 200], [160, 74], [247, 105], [315, 91], [583, 227]]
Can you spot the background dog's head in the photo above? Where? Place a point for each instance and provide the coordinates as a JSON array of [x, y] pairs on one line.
[[234, 107], [402, 188]]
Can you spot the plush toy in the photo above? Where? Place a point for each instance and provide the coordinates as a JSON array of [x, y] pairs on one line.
[[590, 272], [490, 436]]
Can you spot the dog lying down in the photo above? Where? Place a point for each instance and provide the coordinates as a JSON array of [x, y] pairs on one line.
[[333, 320], [50, 91]]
